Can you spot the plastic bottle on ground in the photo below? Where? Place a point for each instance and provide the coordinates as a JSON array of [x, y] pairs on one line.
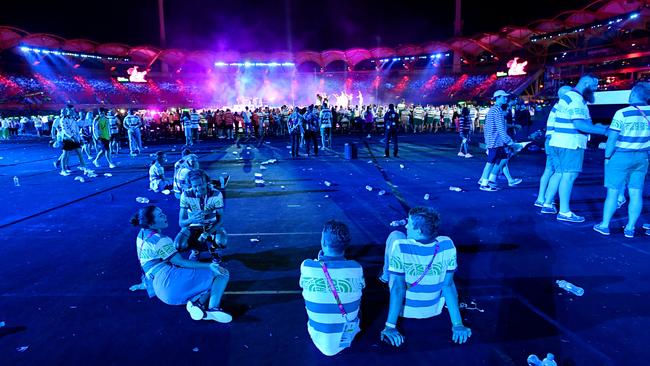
[[327, 183], [549, 360], [426, 197], [16, 182], [455, 189], [142, 200], [369, 188], [381, 193], [568, 286]]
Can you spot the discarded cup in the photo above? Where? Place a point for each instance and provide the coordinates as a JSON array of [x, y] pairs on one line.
[[426, 197], [369, 188], [259, 182], [281, 187], [108, 174], [455, 189], [258, 175], [568, 286], [401, 166], [166, 192], [329, 184], [142, 199], [80, 179], [262, 167], [381, 193], [255, 240], [398, 223], [16, 182]]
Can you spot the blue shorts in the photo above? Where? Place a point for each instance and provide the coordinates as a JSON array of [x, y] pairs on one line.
[[566, 160], [626, 167]]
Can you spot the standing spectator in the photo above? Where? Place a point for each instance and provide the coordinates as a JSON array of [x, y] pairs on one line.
[[496, 139], [195, 118], [333, 308], [102, 134], [133, 124], [544, 180], [418, 118], [113, 122], [626, 158], [294, 126], [465, 132], [368, 121], [325, 121], [568, 144], [391, 119], [187, 128], [310, 128], [421, 267]]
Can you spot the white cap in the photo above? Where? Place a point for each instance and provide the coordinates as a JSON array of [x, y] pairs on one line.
[[499, 93]]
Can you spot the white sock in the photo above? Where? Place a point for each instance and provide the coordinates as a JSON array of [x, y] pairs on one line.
[[492, 178]]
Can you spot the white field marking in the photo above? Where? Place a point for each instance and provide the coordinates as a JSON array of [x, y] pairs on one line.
[[277, 234]]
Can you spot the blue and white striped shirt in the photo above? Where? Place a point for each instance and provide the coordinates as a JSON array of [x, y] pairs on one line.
[[326, 322], [633, 125], [409, 259], [570, 107]]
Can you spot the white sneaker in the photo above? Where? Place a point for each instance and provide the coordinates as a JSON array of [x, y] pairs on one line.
[[468, 155], [196, 313], [218, 315], [96, 163], [64, 173], [111, 166], [461, 154]]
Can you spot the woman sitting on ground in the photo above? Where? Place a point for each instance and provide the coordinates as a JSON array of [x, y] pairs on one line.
[[173, 279], [157, 181]]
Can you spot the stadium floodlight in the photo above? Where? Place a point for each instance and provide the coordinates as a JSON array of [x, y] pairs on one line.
[[634, 15], [274, 64], [248, 64], [220, 63], [438, 55], [288, 64], [396, 59], [24, 49]]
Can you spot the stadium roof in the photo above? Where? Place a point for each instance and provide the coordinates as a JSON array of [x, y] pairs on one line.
[[508, 40]]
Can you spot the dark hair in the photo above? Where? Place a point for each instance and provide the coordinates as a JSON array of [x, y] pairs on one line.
[[336, 235], [425, 219], [144, 217], [156, 156], [391, 106], [324, 104], [465, 111], [197, 174], [186, 152]]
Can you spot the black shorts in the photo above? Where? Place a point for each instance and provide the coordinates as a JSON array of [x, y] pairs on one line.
[[70, 145], [105, 143], [495, 155], [115, 137]]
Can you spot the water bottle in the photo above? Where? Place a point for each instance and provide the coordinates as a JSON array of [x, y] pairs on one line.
[[426, 197], [401, 166], [455, 189], [369, 188], [533, 360], [142, 200], [381, 193], [549, 360], [16, 182], [568, 286], [398, 223], [327, 183]]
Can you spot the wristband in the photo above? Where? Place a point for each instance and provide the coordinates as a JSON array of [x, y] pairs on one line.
[[390, 325]]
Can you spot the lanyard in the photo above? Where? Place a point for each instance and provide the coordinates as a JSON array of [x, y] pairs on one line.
[[408, 286], [336, 294], [152, 233], [643, 114]]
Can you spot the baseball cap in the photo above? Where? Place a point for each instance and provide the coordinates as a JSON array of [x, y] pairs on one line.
[[499, 93]]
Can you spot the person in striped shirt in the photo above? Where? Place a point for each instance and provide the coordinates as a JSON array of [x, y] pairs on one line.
[[133, 124], [421, 268], [568, 144], [548, 169], [115, 132], [327, 320], [325, 120], [496, 139], [418, 118], [626, 158], [187, 128], [173, 279], [195, 118]]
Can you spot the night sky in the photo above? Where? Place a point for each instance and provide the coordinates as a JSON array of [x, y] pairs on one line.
[[263, 25]]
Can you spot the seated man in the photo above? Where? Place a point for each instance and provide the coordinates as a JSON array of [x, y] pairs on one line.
[[331, 286], [187, 162], [201, 209], [422, 276]]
